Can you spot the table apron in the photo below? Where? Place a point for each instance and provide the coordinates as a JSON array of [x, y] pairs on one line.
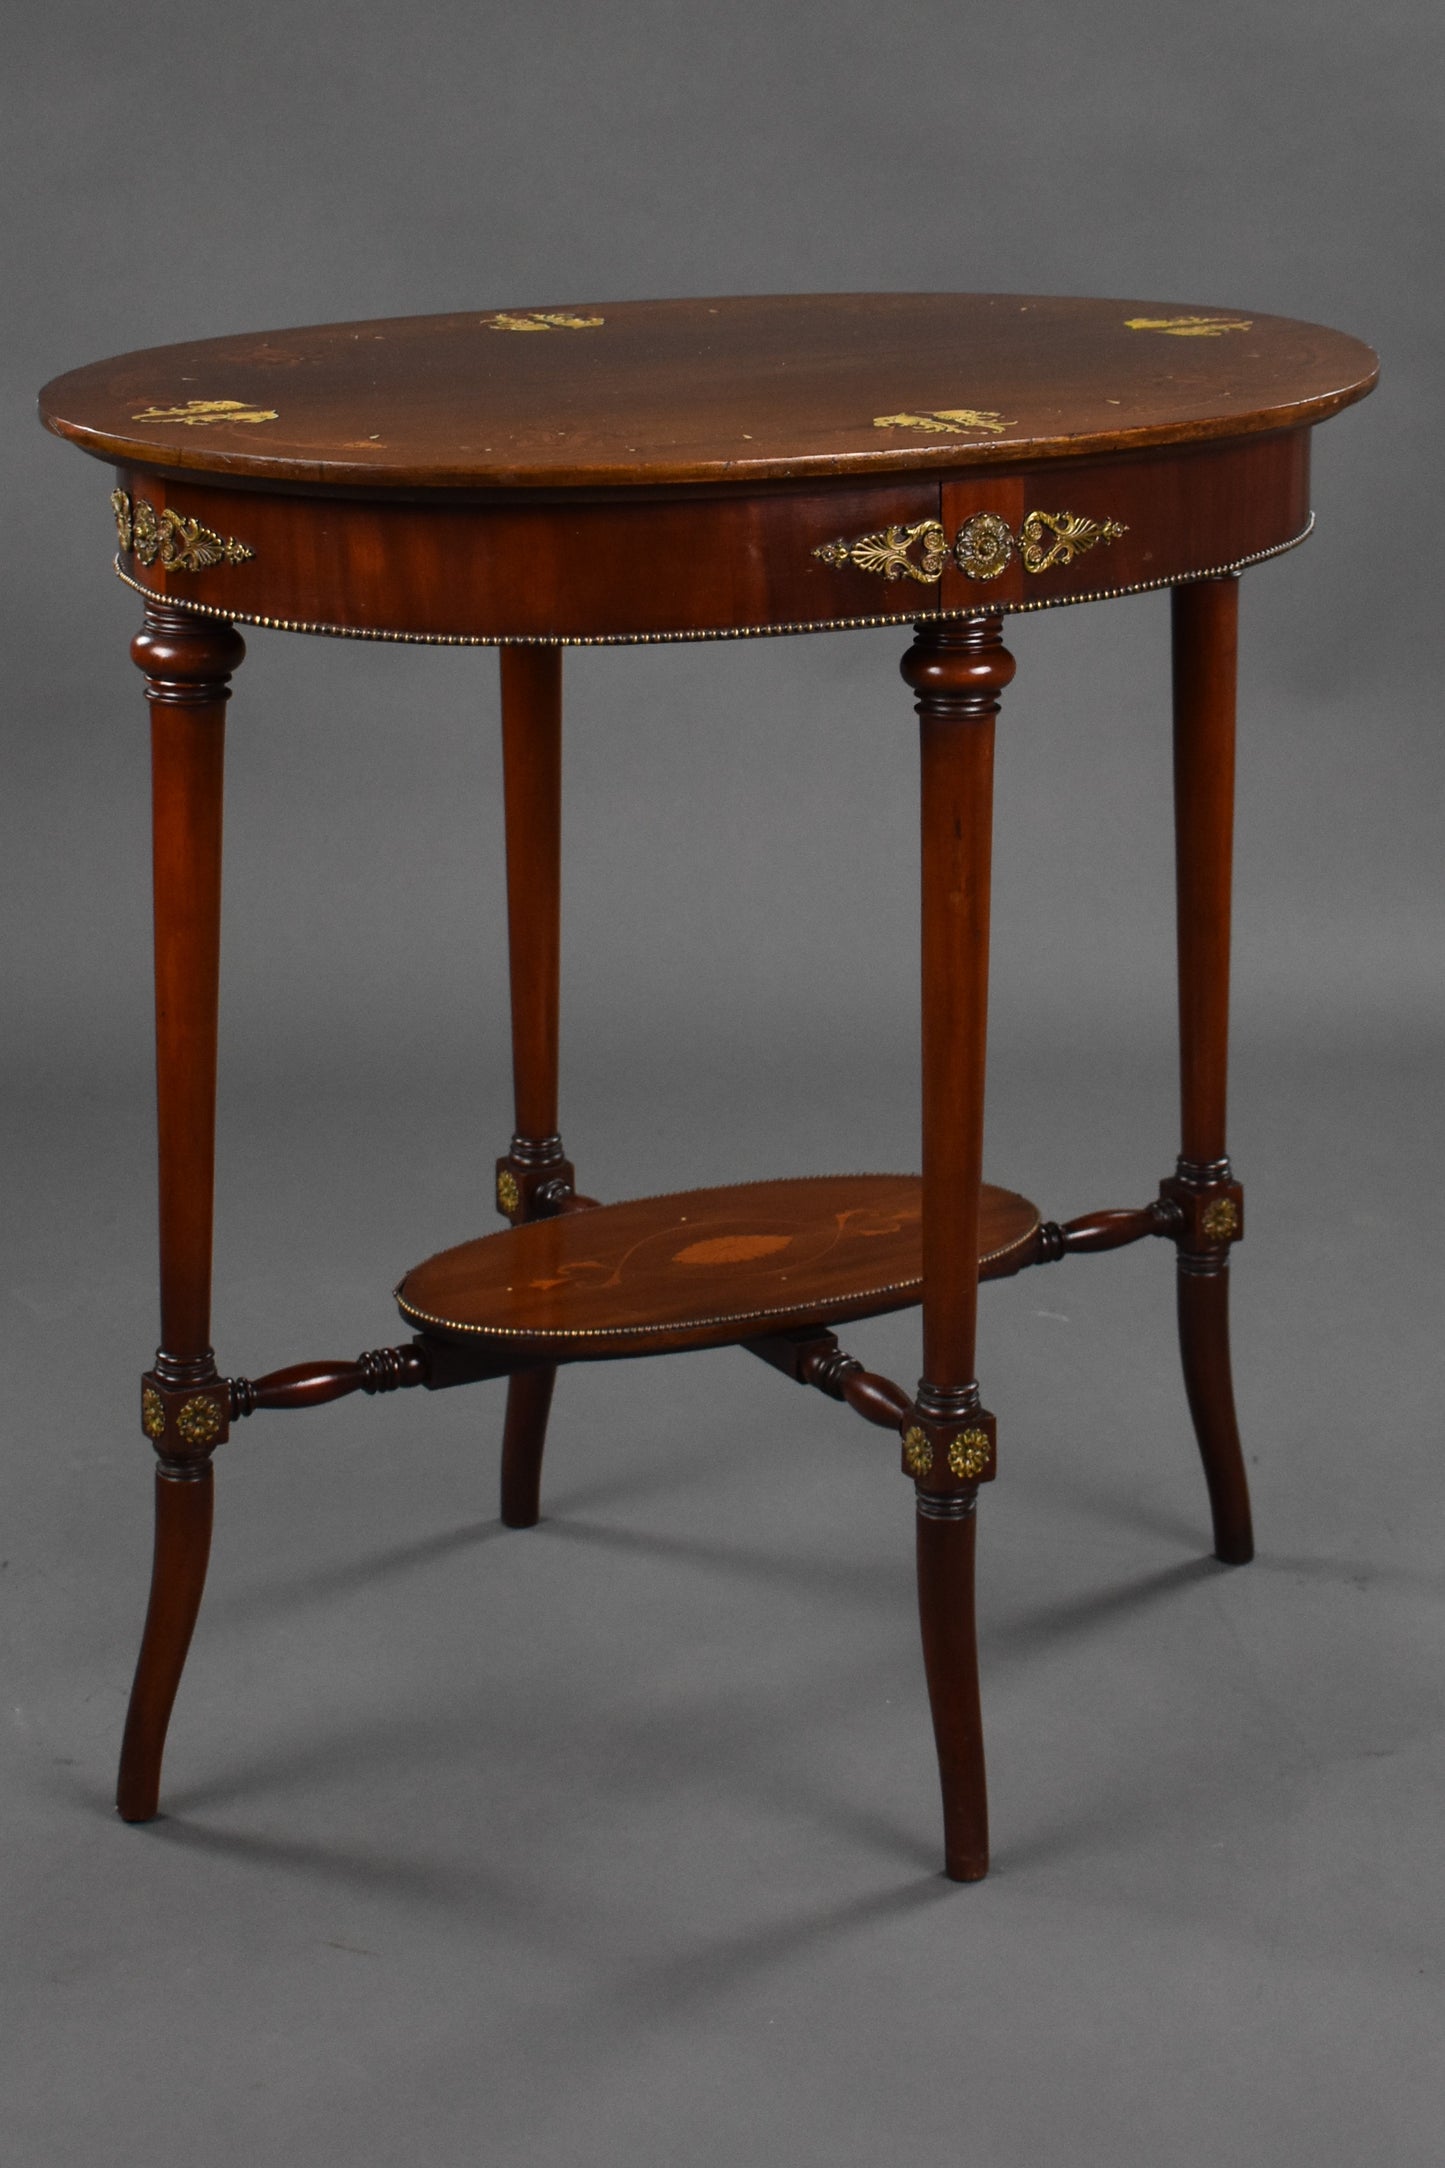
[[712, 564]]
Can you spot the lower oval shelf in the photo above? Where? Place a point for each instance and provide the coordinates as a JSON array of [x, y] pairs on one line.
[[700, 1268]]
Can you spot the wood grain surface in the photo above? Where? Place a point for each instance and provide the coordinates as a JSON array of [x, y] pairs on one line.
[[753, 388], [700, 1268]]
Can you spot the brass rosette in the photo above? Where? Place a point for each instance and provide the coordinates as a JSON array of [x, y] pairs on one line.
[[983, 546], [968, 1454], [199, 1421], [917, 1451]]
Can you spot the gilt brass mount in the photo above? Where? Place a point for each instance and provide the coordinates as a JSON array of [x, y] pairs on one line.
[[982, 548], [169, 539]]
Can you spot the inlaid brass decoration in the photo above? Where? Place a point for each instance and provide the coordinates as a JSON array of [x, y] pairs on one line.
[[984, 546], [152, 1412], [1190, 327], [886, 552], [202, 413], [1221, 1219], [199, 1421], [544, 320], [968, 1454], [1072, 537], [169, 539], [917, 1452], [508, 1194], [955, 421]]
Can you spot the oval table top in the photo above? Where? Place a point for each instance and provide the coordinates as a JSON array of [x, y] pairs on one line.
[[753, 389]]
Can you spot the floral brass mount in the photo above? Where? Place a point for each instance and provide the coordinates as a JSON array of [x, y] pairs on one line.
[[169, 539], [204, 413], [982, 548], [543, 320]]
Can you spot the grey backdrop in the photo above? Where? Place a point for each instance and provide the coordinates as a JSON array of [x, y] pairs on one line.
[[618, 1841]]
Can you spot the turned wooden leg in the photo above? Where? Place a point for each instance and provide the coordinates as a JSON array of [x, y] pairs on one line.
[[535, 1179], [184, 1404], [1210, 1200], [958, 670]]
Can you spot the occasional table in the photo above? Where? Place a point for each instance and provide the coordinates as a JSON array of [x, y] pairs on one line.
[[534, 479]]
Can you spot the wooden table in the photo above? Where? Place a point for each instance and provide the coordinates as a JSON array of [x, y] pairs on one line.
[[688, 470]]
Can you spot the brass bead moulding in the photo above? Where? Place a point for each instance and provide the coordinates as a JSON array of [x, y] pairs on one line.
[[663, 637]]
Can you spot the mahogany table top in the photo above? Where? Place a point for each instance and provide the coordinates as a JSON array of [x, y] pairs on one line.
[[748, 390]]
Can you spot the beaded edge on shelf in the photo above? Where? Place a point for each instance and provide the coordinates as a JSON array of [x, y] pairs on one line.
[[725, 632], [731, 1317]]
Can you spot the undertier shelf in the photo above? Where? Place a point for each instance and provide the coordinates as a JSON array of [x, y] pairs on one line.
[[699, 1268]]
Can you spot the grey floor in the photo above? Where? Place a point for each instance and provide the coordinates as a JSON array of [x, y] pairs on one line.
[[617, 1841]]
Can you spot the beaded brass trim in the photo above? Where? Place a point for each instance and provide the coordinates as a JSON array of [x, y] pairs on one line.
[[783, 629], [169, 539], [953, 421], [543, 320], [203, 413], [968, 1454], [917, 1451]]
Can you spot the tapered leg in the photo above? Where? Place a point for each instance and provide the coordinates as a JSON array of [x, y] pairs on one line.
[[958, 670], [535, 1179], [178, 1580], [1205, 627], [529, 1402], [184, 1404]]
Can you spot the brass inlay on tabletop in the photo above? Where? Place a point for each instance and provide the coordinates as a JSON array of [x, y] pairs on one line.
[[957, 421], [917, 1452], [202, 413], [508, 1194], [968, 1454], [1221, 1219], [199, 1421], [152, 1412], [1072, 536], [1190, 327], [886, 552], [169, 539], [544, 320], [984, 546]]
